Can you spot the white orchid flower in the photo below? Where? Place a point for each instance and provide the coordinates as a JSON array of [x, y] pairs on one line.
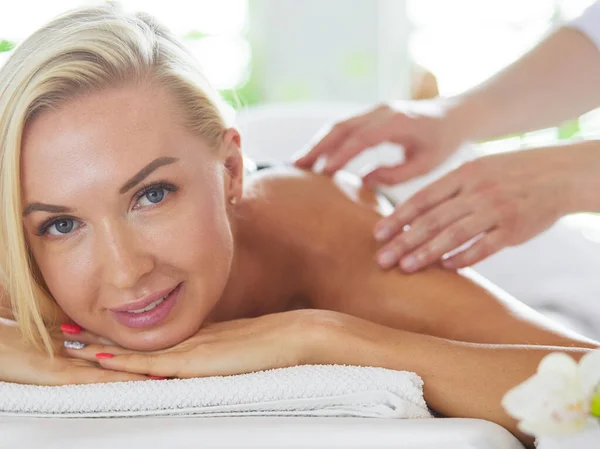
[[560, 398]]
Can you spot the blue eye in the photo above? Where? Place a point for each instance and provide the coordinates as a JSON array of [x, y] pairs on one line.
[[59, 226], [154, 194]]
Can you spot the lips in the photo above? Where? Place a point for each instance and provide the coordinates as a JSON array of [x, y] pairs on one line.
[[156, 312], [144, 302]]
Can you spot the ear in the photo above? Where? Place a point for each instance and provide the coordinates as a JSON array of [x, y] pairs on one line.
[[234, 165]]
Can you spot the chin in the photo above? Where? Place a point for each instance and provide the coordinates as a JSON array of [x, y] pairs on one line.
[[162, 337], [153, 343]]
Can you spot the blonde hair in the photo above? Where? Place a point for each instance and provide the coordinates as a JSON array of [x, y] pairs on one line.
[[81, 51]]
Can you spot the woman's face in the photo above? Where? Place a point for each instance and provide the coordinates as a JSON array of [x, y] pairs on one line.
[[126, 215]]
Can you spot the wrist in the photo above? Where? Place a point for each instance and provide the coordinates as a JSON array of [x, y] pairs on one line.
[[349, 340], [462, 119], [329, 337], [582, 160], [320, 337]]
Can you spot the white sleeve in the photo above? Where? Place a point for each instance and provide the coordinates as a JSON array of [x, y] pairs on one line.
[[589, 23]]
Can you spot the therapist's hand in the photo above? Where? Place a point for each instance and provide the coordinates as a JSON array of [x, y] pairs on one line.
[[428, 140], [504, 199]]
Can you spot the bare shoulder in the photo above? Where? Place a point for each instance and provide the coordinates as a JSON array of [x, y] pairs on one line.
[[310, 200], [327, 223]]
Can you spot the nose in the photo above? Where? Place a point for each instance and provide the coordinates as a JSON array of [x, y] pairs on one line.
[[125, 258]]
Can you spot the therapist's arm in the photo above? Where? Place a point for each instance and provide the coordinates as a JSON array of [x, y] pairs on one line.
[[558, 80]]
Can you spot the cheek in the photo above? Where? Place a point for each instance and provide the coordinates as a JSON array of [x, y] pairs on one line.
[[202, 244], [67, 276]]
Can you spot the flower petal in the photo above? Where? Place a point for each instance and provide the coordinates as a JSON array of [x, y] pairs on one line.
[[540, 396], [589, 371], [558, 363], [554, 401], [551, 428]]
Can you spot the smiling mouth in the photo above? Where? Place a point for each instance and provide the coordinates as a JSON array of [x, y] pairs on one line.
[[151, 315], [150, 306]]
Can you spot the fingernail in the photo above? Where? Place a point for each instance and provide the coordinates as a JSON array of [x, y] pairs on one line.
[[386, 258], [330, 166], [369, 182], [382, 234], [447, 264], [328, 170], [156, 377], [74, 344], [69, 328], [409, 263], [104, 355]]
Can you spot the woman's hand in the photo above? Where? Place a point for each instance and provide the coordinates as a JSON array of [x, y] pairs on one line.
[[271, 341], [428, 140], [20, 363], [503, 199]]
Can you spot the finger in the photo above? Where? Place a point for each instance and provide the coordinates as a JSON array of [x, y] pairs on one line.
[[422, 230], [332, 140], [422, 201], [89, 352], [75, 332], [156, 365], [378, 129], [395, 174], [91, 375], [490, 243], [449, 239]]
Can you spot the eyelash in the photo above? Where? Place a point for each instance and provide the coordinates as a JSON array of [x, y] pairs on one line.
[[164, 185]]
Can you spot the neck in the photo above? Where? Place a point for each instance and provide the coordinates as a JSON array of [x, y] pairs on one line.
[[264, 272]]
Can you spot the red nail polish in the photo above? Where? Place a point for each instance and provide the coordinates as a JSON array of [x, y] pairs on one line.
[[156, 377], [69, 328], [104, 355]]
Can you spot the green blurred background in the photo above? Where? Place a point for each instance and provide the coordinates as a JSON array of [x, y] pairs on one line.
[[291, 51]]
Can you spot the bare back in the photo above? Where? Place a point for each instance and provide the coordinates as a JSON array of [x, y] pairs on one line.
[[331, 222]]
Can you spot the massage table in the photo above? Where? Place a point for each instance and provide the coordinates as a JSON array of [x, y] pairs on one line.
[[252, 432]]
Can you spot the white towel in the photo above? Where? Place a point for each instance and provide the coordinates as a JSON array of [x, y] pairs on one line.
[[310, 390]]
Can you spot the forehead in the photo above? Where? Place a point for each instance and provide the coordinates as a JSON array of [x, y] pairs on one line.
[[112, 131]]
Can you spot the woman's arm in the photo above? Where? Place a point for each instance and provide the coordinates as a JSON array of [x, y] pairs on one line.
[[556, 81], [460, 379]]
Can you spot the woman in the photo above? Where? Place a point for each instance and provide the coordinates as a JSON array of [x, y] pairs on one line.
[[126, 211]]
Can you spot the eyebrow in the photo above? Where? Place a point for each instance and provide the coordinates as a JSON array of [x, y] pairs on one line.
[[145, 172], [135, 180], [33, 207]]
